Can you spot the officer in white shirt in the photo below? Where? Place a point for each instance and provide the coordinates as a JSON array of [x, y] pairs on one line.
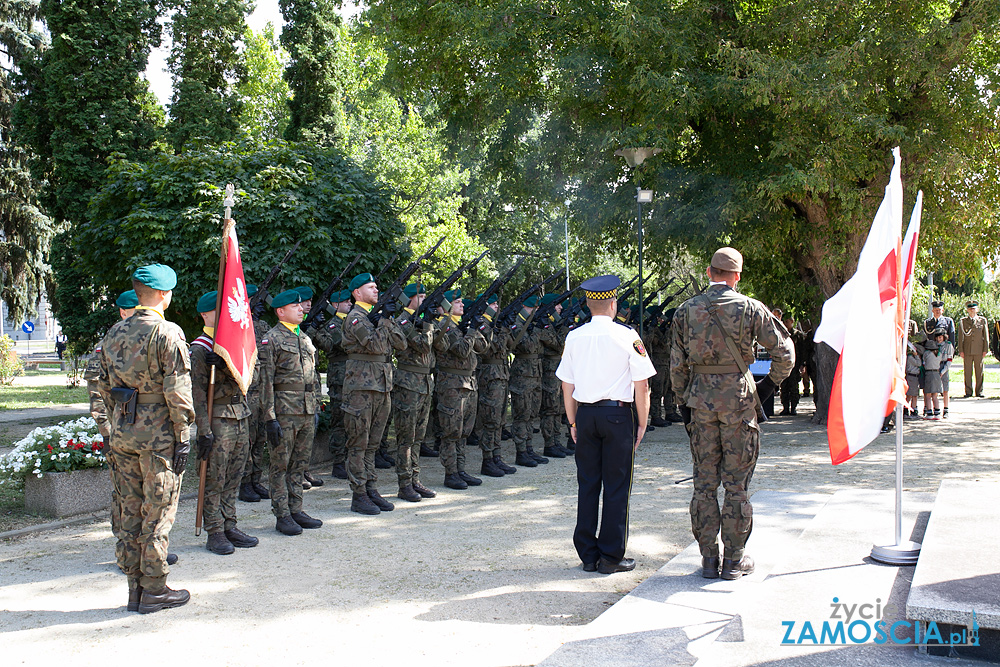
[[604, 372]]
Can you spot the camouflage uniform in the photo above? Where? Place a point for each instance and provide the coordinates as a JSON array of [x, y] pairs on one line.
[[289, 392], [455, 390], [100, 414], [658, 345], [552, 338], [525, 382], [492, 376], [254, 467], [411, 394], [149, 354], [725, 435], [367, 387], [329, 337], [230, 426]]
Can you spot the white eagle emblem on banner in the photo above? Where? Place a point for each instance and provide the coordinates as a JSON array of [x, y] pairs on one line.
[[239, 307]]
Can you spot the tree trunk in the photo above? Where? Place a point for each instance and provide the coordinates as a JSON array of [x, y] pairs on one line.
[[826, 367]]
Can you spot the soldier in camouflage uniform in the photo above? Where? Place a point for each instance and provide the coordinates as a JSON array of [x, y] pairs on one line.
[[658, 345], [552, 337], [492, 375], [525, 384], [308, 479], [455, 385], [411, 395], [367, 390], [223, 437], [328, 337], [145, 384], [251, 490], [290, 395], [720, 408], [669, 397]]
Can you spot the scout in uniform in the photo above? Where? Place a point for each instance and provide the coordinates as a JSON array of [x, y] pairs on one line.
[[290, 396], [145, 384], [223, 436], [973, 346]]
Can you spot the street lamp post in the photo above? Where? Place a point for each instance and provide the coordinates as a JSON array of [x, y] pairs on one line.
[[635, 157]]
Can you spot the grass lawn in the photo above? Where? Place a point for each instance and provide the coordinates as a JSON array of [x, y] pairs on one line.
[[19, 398]]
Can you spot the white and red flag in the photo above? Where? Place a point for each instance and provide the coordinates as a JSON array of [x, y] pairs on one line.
[[864, 322], [234, 335]]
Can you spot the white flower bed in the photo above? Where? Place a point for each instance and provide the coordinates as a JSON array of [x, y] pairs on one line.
[[73, 445]]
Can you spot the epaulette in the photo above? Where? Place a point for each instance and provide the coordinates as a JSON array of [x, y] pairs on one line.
[[624, 325]]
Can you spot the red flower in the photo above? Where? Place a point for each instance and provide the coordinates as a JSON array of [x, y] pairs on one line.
[[50, 447]]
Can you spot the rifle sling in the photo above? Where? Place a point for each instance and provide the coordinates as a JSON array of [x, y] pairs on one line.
[[734, 351]]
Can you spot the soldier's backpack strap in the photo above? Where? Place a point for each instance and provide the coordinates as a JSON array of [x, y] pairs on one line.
[[734, 351]]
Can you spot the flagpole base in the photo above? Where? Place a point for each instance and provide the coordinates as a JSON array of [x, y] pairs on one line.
[[905, 553]]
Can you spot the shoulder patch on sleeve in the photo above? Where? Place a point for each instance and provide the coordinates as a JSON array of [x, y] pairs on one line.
[[263, 341], [354, 321], [637, 344]]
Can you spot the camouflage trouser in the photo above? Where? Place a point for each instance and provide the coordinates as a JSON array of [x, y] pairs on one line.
[[551, 409], [724, 448], [383, 446], [410, 410], [335, 390], [116, 507], [489, 418], [432, 433], [148, 490], [525, 398], [656, 390], [254, 467], [456, 412], [225, 472], [365, 416], [289, 461]]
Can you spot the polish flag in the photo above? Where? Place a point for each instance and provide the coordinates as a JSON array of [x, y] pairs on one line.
[[865, 322], [234, 336]]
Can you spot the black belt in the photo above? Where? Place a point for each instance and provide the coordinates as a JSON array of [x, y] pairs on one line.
[[419, 370], [608, 404], [378, 358], [491, 362]]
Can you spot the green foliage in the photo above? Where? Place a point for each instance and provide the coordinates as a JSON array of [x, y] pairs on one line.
[[204, 62], [169, 210], [10, 363], [263, 91]]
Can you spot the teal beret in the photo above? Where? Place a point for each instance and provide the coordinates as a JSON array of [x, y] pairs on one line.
[[251, 290], [305, 291], [156, 276], [531, 301], [127, 299], [549, 298], [285, 298], [451, 295], [207, 301], [343, 295], [467, 302], [650, 310], [623, 305], [360, 280], [634, 309], [413, 289], [493, 298]]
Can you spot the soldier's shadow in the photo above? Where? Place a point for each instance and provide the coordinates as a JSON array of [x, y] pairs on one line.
[[31, 619]]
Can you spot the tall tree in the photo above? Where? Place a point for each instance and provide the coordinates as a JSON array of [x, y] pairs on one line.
[[316, 38], [263, 91], [25, 231], [205, 63]]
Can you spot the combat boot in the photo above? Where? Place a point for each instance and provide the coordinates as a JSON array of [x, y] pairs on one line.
[[454, 481], [659, 421], [408, 494], [305, 520], [240, 539], [134, 595], [503, 465], [164, 598], [427, 451], [538, 458], [379, 501], [490, 469], [306, 484], [710, 567], [286, 526], [261, 491], [732, 569], [570, 445], [339, 471], [388, 458], [313, 479], [524, 459], [362, 504], [505, 434], [247, 494], [380, 461], [469, 479], [218, 544], [423, 490], [554, 452]]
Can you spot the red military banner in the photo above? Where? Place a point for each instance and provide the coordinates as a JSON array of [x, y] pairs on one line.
[[234, 334]]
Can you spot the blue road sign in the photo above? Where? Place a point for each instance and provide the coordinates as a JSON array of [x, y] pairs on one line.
[[27, 327]]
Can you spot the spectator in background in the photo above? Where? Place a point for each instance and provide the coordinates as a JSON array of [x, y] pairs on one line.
[[61, 344], [938, 320], [973, 346]]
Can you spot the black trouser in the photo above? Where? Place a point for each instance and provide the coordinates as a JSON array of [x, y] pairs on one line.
[[604, 457]]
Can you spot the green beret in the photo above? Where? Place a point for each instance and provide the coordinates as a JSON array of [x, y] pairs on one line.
[[207, 301], [305, 291], [413, 289], [360, 280], [493, 298], [251, 290], [451, 295], [127, 299], [467, 302], [285, 298], [623, 305], [156, 276], [634, 309], [650, 310], [343, 295], [531, 301], [549, 298]]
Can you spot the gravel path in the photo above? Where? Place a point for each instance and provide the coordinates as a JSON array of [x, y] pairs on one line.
[[485, 577]]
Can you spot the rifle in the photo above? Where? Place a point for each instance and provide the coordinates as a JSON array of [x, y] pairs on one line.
[[479, 306], [316, 316], [508, 314], [385, 268], [262, 293], [433, 300], [392, 294], [624, 296], [543, 312], [658, 310], [633, 320]]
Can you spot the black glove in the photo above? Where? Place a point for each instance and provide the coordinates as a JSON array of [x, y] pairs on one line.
[[418, 323], [374, 317], [476, 321], [212, 359], [273, 429], [390, 307], [685, 414], [181, 450], [766, 388], [205, 444]]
